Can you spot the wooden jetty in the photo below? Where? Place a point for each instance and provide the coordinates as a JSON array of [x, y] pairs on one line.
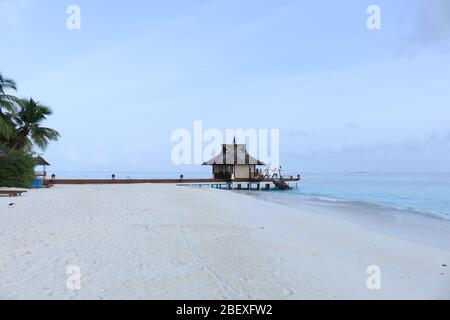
[[236, 184]]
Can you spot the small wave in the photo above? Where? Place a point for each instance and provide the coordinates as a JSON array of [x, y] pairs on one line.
[[323, 198], [375, 205]]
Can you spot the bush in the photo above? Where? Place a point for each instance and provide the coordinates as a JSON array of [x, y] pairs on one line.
[[16, 169]]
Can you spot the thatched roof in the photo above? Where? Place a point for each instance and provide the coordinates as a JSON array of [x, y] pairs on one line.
[[41, 161], [234, 154]]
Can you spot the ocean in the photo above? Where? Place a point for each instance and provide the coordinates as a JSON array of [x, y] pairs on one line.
[[422, 193]]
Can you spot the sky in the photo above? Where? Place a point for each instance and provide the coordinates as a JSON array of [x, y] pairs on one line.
[[345, 98]]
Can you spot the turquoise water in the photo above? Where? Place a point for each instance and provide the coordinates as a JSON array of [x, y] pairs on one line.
[[427, 194]]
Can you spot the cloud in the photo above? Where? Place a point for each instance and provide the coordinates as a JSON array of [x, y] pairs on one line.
[[11, 12], [436, 140], [408, 146], [432, 23], [298, 133]]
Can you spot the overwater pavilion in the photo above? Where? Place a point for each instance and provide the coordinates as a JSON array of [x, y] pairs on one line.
[[234, 162]]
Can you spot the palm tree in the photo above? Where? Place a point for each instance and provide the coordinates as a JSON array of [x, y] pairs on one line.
[[29, 131], [7, 103]]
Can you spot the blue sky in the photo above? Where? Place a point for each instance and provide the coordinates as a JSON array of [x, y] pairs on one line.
[[345, 98]]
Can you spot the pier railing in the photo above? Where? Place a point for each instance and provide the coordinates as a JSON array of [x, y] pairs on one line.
[[158, 181]]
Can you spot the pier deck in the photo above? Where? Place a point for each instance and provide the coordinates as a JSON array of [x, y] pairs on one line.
[[238, 184]]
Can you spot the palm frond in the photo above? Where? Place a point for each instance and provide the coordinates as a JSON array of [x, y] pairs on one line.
[[7, 84], [8, 102], [28, 121]]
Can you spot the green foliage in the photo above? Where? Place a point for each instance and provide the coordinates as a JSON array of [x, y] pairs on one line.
[[21, 130], [21, 121], [16, 169], [7, 107], [29, 131]]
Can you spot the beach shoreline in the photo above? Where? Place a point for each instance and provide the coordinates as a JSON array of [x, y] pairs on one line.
[[407, 225], [168, 242]]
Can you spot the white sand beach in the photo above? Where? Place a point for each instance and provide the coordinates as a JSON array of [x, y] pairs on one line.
[[167, 242]]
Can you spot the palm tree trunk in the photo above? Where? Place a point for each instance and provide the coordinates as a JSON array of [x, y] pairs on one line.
[[19, 142]]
